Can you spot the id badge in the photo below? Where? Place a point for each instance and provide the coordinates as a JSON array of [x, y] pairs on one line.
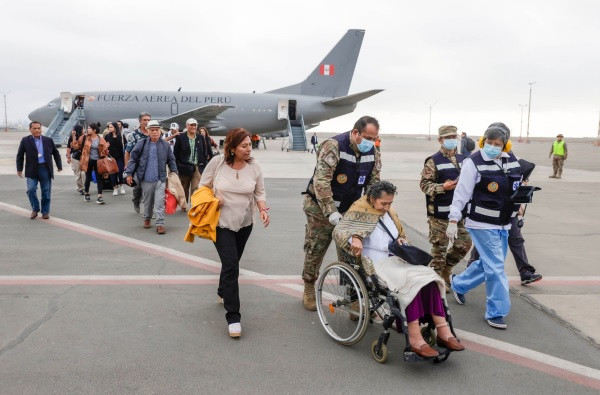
[[361, 180]]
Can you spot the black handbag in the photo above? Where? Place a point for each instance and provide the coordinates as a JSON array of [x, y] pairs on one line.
[[406, 252], [185, 168]]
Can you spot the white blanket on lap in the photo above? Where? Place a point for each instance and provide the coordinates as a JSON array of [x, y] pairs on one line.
[[405, 279]]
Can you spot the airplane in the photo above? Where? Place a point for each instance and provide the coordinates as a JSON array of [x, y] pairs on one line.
[[321, 96]]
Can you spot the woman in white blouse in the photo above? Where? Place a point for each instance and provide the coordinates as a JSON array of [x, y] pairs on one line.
[[237, 181]]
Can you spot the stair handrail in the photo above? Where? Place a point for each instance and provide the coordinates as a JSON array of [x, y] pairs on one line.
[[304, 131], [75, 117], [60, 115]]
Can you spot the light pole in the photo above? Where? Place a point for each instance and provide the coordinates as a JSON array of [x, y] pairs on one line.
[[521, 130], [529, 109], [430, 105], [5, 114]]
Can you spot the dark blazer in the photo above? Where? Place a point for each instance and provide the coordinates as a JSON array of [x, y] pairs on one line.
[[182, 150], [28, 150]]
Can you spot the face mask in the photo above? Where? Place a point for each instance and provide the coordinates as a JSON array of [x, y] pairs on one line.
[[450, 144], [492, 151], [365, 146]]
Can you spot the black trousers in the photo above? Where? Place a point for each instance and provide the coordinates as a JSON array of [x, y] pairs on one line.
[[230, 246], [516, 243]]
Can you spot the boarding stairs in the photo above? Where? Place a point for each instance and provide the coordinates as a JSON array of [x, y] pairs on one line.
[[61, 126], [296, 136]]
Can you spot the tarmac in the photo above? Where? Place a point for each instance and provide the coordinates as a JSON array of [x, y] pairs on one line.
[[91, 302]]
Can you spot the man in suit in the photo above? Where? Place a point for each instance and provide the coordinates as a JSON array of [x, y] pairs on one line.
[[38, 150]]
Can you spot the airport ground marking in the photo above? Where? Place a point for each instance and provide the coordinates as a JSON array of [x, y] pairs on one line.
[[289, 285]]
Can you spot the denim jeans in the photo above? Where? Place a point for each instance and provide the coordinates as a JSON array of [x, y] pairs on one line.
[[45, 181]]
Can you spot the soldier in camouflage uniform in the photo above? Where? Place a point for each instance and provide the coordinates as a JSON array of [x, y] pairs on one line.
[[438, 180], [346, 165]]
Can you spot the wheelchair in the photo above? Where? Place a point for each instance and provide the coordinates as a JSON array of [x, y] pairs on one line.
[[346, 306]]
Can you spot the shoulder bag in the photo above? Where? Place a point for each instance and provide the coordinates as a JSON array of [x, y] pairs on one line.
[[408, 253]]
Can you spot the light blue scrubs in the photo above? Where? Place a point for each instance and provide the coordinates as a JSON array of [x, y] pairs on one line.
[[492, 245]]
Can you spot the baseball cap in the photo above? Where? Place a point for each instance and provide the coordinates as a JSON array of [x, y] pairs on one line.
[[174, 126], [153, 124], [191, 121]]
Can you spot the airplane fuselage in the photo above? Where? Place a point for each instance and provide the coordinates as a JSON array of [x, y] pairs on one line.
[[256, 112]]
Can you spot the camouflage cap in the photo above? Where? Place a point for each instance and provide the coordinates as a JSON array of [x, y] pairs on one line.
[[447, 130]]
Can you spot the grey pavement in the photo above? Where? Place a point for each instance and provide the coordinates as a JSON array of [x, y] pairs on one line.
[[98, 338]]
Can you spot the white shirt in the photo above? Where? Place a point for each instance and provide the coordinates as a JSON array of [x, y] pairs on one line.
[[469, 176], [376, 245]]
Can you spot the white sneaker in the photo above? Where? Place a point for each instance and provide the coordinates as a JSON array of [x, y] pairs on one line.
[[235, 329], [121, 190], [115, 192]]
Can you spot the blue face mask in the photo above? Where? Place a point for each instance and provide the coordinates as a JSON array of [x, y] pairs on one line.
[[365, 146], [492, 151], [450, 144]]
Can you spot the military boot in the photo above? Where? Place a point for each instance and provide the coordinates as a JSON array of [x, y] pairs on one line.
[[445, 275], [310, 301]]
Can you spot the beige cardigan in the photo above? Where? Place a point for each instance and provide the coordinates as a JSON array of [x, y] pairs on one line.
[[238, 194]]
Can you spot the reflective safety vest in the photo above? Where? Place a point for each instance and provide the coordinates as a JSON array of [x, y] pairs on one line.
[[351, 174], [558, 148], [491, 202], [445, 170]]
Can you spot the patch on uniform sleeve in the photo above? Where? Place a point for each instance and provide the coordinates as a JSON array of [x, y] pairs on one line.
[[342, 178], [330, 159], [492, 186], [516, 185]]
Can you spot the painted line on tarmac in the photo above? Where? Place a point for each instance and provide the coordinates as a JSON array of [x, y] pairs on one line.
[[557, 367], [139, 280]]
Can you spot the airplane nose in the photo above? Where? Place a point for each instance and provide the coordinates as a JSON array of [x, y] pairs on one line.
[[35, 114]]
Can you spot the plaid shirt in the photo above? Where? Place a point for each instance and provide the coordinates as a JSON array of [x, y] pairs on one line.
[[133, 139]]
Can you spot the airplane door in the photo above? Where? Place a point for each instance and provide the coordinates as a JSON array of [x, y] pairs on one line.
[[66, 101], [282, 109], [174, 109]]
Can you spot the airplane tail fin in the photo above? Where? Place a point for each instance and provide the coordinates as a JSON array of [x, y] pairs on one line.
[[332, 77]]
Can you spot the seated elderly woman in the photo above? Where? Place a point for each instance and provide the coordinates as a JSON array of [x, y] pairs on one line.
[[362, 237]]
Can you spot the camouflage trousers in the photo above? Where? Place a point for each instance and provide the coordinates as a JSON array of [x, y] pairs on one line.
[[442, 257], [557, 164], [316, 240]]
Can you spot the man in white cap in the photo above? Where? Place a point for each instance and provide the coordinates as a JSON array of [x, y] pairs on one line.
[[190, 156], [149, 159], [171, 134]]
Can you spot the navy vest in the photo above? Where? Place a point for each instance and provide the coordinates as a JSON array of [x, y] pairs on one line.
[[351, 174], [491, 202], [445, 170]]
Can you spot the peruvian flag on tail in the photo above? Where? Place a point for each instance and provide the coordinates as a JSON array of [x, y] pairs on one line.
[[327, 69]]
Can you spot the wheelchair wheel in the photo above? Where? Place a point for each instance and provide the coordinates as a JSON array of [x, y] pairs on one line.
[[428, 335], [342, 303], [380, 355]]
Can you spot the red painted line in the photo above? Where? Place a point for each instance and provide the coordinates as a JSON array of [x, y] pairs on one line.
[[535, 365], [545, 282]]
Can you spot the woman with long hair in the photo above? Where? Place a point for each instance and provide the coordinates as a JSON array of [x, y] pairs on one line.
[[93, 147], [237, 181], [115, 139], [208, 143]]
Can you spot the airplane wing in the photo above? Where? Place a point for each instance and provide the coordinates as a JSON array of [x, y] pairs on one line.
[[350, 99], [204, 115]]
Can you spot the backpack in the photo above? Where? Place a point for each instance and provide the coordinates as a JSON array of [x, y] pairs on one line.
[[470, 144]]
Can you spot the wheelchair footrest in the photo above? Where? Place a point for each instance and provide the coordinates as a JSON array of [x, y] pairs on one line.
[[410, 356]]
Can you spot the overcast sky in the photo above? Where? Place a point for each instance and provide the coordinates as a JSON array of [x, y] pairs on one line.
[[473, 59]]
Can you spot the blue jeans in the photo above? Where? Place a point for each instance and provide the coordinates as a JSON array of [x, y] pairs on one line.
[[45, 181], [492, 245]]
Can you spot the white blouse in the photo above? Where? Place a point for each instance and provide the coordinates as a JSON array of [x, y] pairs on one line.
[[239, 190], [376, 245]]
